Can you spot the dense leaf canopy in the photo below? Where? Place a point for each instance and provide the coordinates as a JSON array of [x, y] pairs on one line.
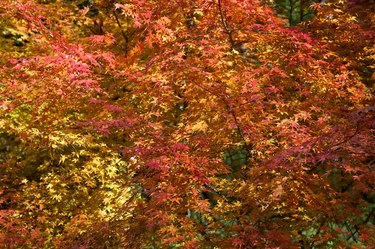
[[187, 124]]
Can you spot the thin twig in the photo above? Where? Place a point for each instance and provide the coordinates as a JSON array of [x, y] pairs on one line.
[[239, 127], [122, 32], [232, 113], [364, 222], [226, 26], [350, 137]]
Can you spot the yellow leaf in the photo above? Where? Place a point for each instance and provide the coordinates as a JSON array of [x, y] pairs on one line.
[[62, 159], [200, 126], [57, 197]]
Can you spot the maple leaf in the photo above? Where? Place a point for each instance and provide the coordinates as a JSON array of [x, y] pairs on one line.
[[200, 126]]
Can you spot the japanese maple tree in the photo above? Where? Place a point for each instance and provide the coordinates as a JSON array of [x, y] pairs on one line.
[[192, 124]]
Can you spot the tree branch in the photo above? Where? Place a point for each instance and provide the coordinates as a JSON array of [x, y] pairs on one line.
[[225, 25], [348, 138], [238, 126], [122, 32], [356, 226], [232, 113]]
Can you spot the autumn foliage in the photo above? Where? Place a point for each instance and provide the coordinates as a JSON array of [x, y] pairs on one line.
[[187, 124]]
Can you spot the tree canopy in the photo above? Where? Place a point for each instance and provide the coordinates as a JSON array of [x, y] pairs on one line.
[[187, 124]]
